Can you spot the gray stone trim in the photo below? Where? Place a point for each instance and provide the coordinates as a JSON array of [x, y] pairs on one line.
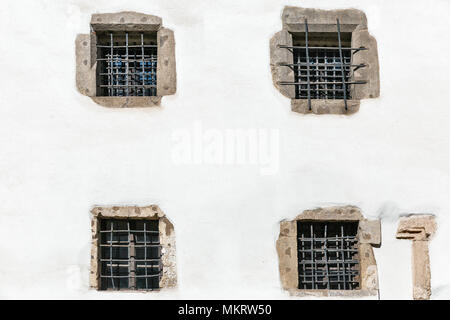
[[351, 20], [86, 66], [369, 233], [166, 235]]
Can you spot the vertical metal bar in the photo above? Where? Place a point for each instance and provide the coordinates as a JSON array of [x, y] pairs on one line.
[[343, 256], [317, 75], [326, 73], [299, 75], [344, 86], [143, 77], [334, 74], [303, 259], [338, 268], [326, 257], [111, 253], [110, 88], [128, 63], [145, 254], [131, 259], [313, 260], [307, 64]]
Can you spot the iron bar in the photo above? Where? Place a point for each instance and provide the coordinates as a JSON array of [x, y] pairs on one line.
[[325, 82], [319, 48]]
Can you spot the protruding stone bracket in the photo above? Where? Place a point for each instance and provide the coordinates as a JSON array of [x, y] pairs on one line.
[[369, 234], [324, 21], [419, 228], [86, 57], [166, 238]]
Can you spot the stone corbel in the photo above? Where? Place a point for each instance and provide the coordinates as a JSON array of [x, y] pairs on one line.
[[420, 229]]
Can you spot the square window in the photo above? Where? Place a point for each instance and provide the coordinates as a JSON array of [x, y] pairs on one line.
[[318, 65], [328, 256], [126, 64], [130, 254], [324, 61]]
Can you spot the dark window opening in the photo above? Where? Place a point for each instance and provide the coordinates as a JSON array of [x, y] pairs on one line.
[[326, 69], [126, 64], [130, 254], [328, 255]]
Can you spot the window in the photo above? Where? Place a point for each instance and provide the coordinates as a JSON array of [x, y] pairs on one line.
[[133, 248], [130, 254], [328, 252], [325, 61], [126, 64], [128, 60], [328, 255]]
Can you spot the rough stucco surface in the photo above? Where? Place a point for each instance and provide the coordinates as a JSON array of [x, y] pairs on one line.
[[369, 234], [351, 20], [166, 238], [86, 65], [420, 229]]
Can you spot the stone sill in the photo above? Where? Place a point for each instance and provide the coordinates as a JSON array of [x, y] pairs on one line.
[[128, 102], [333, 293], [320, 106]]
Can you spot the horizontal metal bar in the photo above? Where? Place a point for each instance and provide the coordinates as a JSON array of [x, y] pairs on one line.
[[124, 56], [328, 250], [137, 265], [147, 276], [127, 260], [324, 274], [115, 231], [319, 75], [126, 245], [124, 60], [132, 46], [321, 83], [129, 74], [328, 238], [324, 281], [312, 64], [328, 262], [320, 48], [125, 86]]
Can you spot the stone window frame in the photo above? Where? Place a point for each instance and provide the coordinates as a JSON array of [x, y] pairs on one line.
[[420, 228], [166, 238], [351, 20], [86, 55], [369, 235]]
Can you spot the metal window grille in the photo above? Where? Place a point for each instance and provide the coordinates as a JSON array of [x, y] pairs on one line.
[[323, 72], [328, 255], [126, 64], [130, 254]]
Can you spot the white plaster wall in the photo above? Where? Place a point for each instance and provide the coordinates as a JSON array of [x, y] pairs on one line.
[[61, 154]]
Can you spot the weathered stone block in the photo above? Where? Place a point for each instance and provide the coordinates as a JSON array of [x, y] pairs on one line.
[[370, 232]]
